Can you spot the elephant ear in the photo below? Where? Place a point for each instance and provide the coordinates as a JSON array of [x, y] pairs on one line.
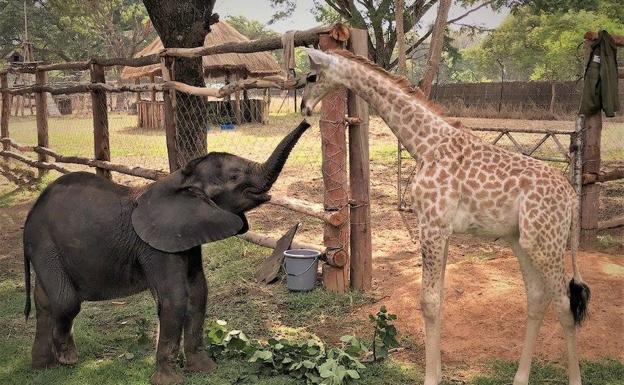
[[172, 218]]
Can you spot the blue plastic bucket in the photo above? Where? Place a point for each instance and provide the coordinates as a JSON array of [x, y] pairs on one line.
[[300, 266]]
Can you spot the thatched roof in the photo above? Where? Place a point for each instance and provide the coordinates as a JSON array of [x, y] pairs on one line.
[[244, 64]]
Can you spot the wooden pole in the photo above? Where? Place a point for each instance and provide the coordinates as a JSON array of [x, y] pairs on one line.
[[169, 114], [6, 110], [400, 34], [41, 101], [590, 156], [359, 179], [334, 154], [590, 195], [153, 94], [100, 120]]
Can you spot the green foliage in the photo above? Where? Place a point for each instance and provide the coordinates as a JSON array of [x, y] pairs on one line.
[[384, 335], [538, 45], [75, 29], [252, 29], [307, 360]]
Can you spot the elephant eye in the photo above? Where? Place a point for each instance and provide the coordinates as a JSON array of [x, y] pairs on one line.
[[234, 178]]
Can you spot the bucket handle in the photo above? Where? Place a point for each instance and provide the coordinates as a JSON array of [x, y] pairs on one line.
[[303, 272]]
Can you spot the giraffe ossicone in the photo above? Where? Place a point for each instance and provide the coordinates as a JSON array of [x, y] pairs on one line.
[[464, 185]]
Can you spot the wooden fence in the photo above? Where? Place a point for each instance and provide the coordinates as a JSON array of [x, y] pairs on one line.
[[347, 235]]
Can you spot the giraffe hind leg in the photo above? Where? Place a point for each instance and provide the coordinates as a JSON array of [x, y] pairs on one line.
[[537, 304]]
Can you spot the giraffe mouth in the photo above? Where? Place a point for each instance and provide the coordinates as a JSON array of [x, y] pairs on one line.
[[306, 110]]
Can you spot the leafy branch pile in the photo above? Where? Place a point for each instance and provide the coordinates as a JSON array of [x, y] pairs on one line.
[[308, 360]]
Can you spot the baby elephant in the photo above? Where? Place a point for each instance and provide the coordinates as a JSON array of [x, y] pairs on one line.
[[89, 239]]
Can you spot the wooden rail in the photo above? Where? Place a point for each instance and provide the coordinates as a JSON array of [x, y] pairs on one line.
[[302, 38], [335, 218], [245, 84]]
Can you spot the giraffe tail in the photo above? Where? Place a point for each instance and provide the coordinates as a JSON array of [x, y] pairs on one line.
[[579, 291]]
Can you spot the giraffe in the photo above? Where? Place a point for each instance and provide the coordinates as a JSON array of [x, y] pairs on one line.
[[464, 185]]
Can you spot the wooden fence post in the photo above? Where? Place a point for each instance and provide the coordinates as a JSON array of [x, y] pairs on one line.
[[41, 101], [590, 194], [359, 179], [334, 153], [100, 120], [6, 111], [169, 114]]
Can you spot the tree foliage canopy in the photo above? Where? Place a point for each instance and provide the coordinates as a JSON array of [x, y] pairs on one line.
[[75, 29], [538, 45]]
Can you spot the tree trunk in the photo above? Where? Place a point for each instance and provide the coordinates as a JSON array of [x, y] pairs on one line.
[[435, 49], [400, 35], [553, 98], [185, 23]]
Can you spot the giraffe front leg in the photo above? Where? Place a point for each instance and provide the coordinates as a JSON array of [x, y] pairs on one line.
[[434, 248]]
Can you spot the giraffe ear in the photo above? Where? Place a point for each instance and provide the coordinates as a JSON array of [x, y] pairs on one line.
[[319, 58]]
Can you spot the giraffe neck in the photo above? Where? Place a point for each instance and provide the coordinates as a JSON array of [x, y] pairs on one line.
[[418, 128]]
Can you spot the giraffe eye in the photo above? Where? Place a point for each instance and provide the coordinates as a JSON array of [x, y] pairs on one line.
[[311, 78]]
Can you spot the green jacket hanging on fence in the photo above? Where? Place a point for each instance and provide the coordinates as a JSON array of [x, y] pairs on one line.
[[600, 89]]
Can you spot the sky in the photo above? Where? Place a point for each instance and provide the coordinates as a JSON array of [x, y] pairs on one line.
[[261, 10]]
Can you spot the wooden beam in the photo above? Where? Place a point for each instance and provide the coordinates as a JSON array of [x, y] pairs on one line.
[[334, 154], [590, 196], [262, 83], [604, 176], [41, 100], [104, 165], [100, 120], [21, 147], [5, 110], [359, 179], [611, 224], [34, 163], [335, 218], [302, 38], [271, 242]]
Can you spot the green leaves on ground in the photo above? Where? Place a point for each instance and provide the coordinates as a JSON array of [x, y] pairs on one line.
[[384, 336], [309, 360]]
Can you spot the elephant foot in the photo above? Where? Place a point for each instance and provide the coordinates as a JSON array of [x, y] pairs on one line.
[[166, 377], [200, 362], [67, 354], [48, 362]]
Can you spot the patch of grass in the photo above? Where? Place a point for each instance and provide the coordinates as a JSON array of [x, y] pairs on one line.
[[106, 331], [606, 241], [606, 372]]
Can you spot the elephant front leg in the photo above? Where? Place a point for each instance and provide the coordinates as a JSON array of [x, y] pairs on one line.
[[172, 310], [167, 275], [197, 359]]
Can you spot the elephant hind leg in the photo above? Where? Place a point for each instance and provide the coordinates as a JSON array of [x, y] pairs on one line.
[[42, 355], [63, 305]]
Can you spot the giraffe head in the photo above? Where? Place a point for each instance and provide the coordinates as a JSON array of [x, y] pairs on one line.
[[326, 76]]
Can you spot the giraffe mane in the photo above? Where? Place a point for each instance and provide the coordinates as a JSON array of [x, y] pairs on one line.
[[400, 81]]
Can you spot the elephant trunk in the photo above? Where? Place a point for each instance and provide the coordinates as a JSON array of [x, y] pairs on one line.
[[273, 166]]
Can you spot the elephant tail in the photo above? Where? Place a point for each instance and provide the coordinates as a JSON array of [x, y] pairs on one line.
[[27, 284]]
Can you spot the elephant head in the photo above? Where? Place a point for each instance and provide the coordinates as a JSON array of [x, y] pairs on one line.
[[206, 200]]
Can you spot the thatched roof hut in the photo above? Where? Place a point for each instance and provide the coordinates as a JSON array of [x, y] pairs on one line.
[[255, 64]]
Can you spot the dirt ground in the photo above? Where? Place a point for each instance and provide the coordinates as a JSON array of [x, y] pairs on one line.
[[484, 307]]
